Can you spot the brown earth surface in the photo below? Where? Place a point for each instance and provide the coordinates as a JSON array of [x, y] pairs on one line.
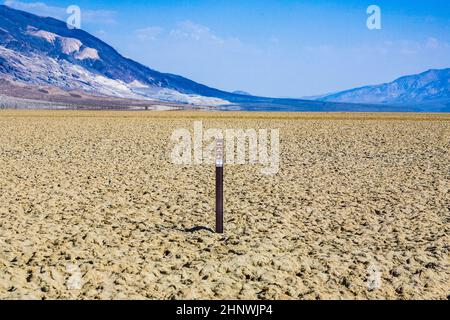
[[92, 207]]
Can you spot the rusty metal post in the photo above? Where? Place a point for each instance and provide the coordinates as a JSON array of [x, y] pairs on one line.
[[219, 186]]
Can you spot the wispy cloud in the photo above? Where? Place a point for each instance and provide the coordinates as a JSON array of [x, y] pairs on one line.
[[189, 30], [148, 33], [45, 10], [403, 47], [432, 43], [437, 44]]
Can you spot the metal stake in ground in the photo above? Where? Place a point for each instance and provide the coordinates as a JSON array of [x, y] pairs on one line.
[[219, 186]]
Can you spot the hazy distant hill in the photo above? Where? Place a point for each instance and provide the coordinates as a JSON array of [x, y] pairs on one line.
[[430, 87]]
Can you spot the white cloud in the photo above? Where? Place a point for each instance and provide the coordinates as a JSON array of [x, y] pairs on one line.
[[148, 33], [432, 43], [189, 30], [408, 47], [403, 47], [42, 9], [39, 8]]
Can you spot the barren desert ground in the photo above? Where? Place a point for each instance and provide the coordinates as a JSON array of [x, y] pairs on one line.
[[91, 207]]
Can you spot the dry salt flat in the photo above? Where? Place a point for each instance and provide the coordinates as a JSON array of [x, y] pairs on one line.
[[91, 207]]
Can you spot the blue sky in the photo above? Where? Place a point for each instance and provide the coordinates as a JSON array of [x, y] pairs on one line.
[[271, 48]]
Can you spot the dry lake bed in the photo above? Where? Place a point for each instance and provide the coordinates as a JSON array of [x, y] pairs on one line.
[[91, 207]]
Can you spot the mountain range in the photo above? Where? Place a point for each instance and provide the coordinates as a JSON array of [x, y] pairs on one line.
[[430, 87], [43, 52]]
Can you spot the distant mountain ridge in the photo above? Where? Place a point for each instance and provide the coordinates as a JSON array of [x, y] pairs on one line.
[[432, 86], [42, 51]]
